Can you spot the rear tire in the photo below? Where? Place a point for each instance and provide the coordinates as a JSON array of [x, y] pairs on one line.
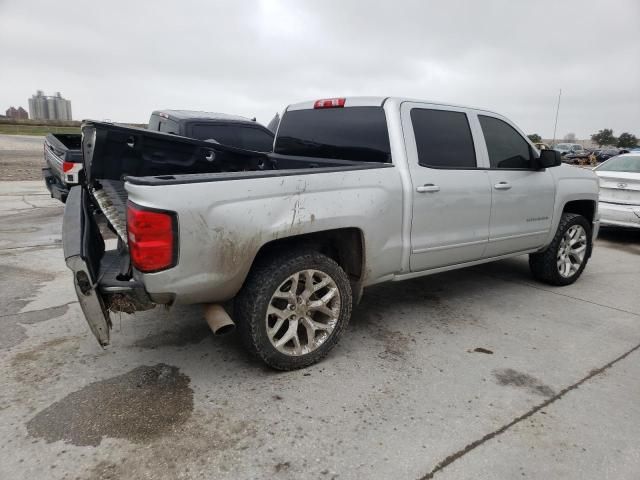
[[293, 308], [566, 257]]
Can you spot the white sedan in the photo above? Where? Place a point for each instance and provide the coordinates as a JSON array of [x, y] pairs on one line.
[[619, 204]]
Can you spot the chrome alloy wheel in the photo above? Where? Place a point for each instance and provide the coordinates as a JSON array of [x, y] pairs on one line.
[[572, 250], [303, 312]]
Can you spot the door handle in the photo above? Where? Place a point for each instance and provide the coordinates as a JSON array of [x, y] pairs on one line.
[[429, 187], [502, 186]]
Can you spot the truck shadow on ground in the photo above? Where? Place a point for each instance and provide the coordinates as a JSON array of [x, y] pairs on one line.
[[448, 291], [626, 240], [440, 301], [437, 300]]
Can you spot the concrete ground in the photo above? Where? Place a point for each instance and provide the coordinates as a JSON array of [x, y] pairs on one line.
[[553, 390], [21, 157]]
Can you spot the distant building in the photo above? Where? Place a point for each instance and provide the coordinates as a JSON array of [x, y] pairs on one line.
[[44, 107], [17, 113]]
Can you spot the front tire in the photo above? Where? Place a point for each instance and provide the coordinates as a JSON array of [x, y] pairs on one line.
[[293, 308], [566, 257]]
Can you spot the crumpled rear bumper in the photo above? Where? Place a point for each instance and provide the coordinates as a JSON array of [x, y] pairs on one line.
[[97, 274]]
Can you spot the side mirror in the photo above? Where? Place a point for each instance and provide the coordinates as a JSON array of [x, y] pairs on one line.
[[549, 158]]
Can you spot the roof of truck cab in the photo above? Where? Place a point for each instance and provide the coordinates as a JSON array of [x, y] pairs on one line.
[[198, 115], [379, 101], [350, 102]]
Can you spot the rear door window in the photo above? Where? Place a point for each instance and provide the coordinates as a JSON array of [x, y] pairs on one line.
[[167, 125], [154, 122], [351, 133], [507, 148], [443, 139]]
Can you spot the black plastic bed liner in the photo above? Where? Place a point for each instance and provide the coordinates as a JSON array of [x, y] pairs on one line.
[[112, 152], [111, 197], [145, 157]]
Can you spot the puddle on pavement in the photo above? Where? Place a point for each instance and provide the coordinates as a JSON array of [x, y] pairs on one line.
[[14, 333], [396, 344], [20, 286], [140, 405], [212, 441], [34, 354], [513, 378], [43, 362]]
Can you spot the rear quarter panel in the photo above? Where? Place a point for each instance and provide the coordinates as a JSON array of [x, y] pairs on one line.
[[223, 224]]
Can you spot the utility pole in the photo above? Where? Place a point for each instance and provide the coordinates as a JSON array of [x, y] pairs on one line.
[[556, 124]]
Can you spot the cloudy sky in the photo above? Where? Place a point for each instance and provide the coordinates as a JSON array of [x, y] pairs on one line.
[[121, 59]]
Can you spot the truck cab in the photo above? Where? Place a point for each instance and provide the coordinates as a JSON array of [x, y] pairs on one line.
[[226, 129]]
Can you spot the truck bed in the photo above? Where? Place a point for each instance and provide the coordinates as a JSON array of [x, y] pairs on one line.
[[114, 154]]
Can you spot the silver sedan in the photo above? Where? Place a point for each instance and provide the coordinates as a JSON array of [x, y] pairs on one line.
[[619, 204]]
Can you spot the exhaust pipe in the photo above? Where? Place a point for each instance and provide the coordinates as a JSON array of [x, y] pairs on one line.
[[218, 319]]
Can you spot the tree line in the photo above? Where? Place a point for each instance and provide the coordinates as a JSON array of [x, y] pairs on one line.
[[604, 137]]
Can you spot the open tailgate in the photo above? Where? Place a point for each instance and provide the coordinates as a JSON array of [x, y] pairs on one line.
[[83, 250]]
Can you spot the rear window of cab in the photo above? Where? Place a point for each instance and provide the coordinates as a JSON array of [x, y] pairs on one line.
[[351, 133]]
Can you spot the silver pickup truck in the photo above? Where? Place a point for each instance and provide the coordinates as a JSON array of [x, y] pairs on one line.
[[357, 191]]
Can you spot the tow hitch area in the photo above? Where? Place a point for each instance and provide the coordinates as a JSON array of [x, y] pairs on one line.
[[102, 278]]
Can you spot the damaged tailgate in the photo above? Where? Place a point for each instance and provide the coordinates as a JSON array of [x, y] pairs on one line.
[[83, 251]]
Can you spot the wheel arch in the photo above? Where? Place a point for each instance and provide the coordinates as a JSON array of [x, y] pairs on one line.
[[346, 246], [586, 208]]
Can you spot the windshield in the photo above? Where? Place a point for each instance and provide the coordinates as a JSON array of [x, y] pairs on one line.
[[622, 163], [563, 146], [352, 133]]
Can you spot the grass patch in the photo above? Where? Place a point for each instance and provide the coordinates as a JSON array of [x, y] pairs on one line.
[[39, 130]]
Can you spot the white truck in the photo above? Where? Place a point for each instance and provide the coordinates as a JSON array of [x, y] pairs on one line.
[[357, 191]]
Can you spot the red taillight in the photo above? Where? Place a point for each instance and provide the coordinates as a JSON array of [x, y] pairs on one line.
[[66, 166], [152, 242], [329, 103]]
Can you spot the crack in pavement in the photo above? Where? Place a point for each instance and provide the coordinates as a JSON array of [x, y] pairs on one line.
[[475, 444], [42, 245], [38, 310], [28, 203], [35, 194]]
